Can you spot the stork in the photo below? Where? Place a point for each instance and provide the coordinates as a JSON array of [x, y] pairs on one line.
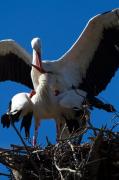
[[81, 68], [20, 107]]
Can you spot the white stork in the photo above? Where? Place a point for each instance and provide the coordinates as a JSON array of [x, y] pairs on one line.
[[20, 107], [88, 66]]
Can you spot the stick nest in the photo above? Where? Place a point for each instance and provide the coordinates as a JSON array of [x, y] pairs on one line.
[[97, 159]]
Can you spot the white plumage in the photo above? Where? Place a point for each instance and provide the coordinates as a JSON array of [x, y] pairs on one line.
[[20, 107], [72, 99], [21, 102], [79, 75]]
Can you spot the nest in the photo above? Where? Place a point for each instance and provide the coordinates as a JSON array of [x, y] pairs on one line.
[[95, 160]]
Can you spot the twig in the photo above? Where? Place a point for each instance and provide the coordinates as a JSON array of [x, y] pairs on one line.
[[63, 169], [103, 130], [74, 155], [114, 126], [63, 129], [92, 127], [56, 163], [29, 153], [72, 136]]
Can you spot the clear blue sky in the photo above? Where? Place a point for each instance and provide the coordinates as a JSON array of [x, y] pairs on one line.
[[58, 23]]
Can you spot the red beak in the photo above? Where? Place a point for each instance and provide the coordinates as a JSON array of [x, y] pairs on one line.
[[38, 59], [38, 68], [38, 65]]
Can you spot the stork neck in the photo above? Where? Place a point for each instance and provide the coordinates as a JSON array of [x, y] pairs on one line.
[[43, 88], [34, 72], [36, 58], [37, 63]]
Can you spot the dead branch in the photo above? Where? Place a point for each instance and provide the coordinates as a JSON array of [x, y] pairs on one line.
[[66, 160]]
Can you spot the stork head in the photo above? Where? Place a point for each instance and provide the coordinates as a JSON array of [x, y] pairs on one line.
[[36, 46]]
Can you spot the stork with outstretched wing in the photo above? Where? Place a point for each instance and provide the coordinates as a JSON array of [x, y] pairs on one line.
[[88, 66]]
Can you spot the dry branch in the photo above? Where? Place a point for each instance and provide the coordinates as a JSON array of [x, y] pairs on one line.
[[67, 160]]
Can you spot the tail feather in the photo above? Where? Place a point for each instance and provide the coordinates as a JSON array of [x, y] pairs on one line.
[[78, 122], [5, 120], [94, 101]]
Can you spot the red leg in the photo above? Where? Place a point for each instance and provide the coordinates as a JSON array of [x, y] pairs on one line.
[[37, 124], [34, 143]]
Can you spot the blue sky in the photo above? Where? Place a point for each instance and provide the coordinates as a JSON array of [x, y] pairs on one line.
[[58, 23]]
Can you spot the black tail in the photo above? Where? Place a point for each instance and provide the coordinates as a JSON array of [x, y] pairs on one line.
[[78, 122], [26, 124], [7, 118], [93, 101]]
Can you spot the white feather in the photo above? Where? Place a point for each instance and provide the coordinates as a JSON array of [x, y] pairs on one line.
[[72, 99], [21, 102]]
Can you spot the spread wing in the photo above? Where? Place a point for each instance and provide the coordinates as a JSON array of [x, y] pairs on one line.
[[94, 58], [15, 63]]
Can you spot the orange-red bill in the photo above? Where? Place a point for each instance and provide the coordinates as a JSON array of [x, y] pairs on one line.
[[38, 64], [38, 68], [38, 60]]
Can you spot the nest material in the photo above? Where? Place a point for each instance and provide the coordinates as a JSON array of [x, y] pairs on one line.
[[97, 160]]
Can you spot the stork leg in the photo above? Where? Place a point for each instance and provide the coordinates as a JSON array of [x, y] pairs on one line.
[[34, 143], [37, 124], [58, 130]]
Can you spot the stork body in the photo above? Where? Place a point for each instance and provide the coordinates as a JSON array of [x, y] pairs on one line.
[[20, 107], [88, 66]]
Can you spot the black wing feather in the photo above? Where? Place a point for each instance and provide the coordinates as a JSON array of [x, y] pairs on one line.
[[15, 69], [106, 58]]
